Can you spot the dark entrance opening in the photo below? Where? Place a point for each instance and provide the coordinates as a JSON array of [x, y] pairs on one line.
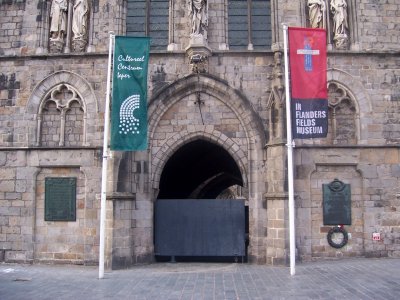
[[198, 170]]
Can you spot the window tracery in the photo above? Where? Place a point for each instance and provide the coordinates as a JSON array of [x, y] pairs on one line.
[[343, 115], [61, 118]]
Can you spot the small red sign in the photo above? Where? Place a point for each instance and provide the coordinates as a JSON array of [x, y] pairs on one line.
[[376, 236]]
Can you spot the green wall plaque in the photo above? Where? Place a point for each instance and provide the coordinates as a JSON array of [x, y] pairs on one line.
[[60, 199], [336, 203]]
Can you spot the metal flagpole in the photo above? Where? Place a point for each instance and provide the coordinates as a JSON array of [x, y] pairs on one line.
[[106, 154], [290, 145]]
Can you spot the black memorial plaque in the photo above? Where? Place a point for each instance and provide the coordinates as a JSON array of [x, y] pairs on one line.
[[60, 199], [336, 203]]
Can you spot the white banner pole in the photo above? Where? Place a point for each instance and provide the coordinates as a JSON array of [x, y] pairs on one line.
[[290, 145], [106, 154]]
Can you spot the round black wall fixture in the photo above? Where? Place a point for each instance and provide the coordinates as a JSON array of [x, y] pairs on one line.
[[337, 237]]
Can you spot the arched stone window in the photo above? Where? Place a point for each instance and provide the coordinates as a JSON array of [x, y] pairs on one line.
[[343, 115], [249, 24], [149, 18], [61, 118]]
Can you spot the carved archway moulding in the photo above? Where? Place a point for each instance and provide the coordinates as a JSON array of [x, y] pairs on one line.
[[214, 86], [182, 138], [238, 103]]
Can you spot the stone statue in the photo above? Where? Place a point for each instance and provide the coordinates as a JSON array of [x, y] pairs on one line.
[[199, 19], [79, 20], [58, 25], [339, 11], [340, 24], [316, 12]]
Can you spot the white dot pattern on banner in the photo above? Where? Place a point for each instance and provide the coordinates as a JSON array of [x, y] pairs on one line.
[[127, 122]]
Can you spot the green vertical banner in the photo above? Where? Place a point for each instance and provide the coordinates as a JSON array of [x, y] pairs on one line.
[[129, 94]]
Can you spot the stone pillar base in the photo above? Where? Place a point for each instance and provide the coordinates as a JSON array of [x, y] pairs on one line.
[[278, 229]]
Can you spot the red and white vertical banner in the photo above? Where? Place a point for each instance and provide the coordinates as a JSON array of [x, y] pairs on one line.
[[308, 74], [306, 102]]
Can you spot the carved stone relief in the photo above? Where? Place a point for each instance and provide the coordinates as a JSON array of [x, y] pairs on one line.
[[68, 22], [340, 24], [317, 13], [276, 99], [332, 15], [198, 12], [58, 24], [198, 50], [79, 25]]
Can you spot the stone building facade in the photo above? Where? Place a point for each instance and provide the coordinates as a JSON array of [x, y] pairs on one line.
[[230, 106]]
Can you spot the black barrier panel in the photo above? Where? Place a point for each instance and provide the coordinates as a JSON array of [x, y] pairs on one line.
[[198, 227]]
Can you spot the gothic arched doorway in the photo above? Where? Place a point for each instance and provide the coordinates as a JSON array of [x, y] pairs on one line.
[[200, 214], [200, 170]]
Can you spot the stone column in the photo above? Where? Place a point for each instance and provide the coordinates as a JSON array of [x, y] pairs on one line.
[[120, 243], [277, 240], [276, 203]]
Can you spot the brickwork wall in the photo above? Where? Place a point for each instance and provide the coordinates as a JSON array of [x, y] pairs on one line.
[[131, 220], [17, 130], [370, 75], [74, 126], [379, 24], [374, 178], [16, 206], [186, 114], [382, 201], [368, 14], [107, 17], [58, 240], [123, 242], [181, 24], [12, 14], [50, 135], [276, 205], [24, 234], [277, 232], [217, 24], [325, 175], [376, 28]]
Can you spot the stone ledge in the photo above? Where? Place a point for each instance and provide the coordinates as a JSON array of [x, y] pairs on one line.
[[274, 196], [121, 196]]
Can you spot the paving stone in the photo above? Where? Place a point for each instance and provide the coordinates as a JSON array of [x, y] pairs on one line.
[[359, 278]]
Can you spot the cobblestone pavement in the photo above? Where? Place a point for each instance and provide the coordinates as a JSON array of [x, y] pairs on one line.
[[342, 279]]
